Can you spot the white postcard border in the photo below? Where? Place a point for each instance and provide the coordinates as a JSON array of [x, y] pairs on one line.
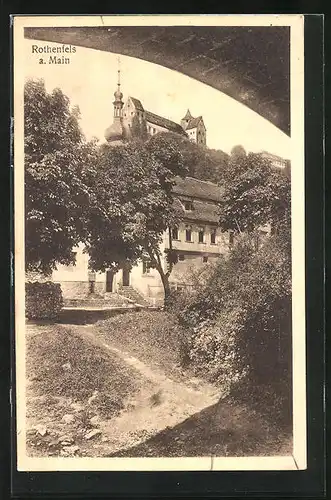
[[299, 458]]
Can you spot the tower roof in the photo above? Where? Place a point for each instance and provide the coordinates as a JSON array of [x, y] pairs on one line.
[[115, 131], [118, 94], [188, 115], [193, 122], [137, 104]]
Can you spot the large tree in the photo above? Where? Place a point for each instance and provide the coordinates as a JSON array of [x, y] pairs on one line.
[[57, 177], [133, 185], [256, 194], [201, 162]]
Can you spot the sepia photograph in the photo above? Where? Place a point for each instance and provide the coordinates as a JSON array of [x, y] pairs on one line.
[[159, 242]]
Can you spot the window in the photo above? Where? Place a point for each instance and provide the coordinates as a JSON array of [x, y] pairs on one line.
[[188, 234], [146, 267], [175, 233], [205, 259], [213, 237], [188, 205], [181, 257], [201, 236]]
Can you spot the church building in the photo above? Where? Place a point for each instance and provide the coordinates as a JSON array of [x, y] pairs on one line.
[[131, 119]]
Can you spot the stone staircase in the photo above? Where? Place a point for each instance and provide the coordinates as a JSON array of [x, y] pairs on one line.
[[95, 301], [133, 295]]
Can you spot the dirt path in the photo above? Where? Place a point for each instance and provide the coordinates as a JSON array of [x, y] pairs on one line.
[[162, 403]]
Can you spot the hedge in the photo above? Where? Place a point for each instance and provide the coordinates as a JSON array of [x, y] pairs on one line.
[[43, 300]]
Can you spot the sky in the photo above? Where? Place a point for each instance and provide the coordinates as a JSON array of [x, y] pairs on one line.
[[89, 80]]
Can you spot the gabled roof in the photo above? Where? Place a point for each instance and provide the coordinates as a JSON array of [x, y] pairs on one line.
[[203, 211], [137, 104], [194, 122], [164, 122], [272, 156], [195, 188]]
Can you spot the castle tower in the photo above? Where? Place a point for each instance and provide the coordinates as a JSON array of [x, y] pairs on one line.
[[194, 128], [186, 120], [114, 133]]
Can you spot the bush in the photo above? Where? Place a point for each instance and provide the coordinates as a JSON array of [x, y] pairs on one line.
[[43, 300], [240, 321]]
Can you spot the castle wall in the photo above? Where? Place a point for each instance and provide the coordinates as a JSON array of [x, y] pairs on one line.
[[153, 129]]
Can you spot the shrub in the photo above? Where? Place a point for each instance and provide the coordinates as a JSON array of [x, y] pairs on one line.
[[240, 321], [43, 300], [215, 349]]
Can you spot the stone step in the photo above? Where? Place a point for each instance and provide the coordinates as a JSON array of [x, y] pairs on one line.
[[115, 301], [133, 294]]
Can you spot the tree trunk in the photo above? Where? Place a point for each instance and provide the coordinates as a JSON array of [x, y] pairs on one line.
[[155, 258], [166, 288]]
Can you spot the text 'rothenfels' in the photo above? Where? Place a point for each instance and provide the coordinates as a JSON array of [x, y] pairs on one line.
[[47, 49]]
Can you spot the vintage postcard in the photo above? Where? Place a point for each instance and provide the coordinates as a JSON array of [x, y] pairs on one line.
[[159, 242]]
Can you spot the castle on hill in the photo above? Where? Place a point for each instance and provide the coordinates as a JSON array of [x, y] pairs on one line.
[[132, 120]]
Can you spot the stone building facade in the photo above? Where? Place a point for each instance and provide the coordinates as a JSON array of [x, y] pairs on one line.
[[198, 240], [275, 160]]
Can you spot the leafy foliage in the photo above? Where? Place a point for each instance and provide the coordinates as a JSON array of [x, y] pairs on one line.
[[240, 319], [255, 195], [57, 177], [133, 188], [43, 300], [201, 163]]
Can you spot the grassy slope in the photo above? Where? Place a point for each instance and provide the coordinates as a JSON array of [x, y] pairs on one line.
[[228, 428], [152, 336], [64, 371], [234, 427]]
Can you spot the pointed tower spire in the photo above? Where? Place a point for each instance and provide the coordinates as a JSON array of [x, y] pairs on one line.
[[185, 121], [119, 74], [114, 133], [118, 103], [188, 115]]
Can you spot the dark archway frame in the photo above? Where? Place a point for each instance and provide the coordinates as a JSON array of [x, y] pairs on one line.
[[249, 64]]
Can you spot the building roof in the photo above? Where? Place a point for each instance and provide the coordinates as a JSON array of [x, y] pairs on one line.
[[272, 156], [194, 122], [202, 212], [195, 188], [137, 103], [164, 122], [188, 115]]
